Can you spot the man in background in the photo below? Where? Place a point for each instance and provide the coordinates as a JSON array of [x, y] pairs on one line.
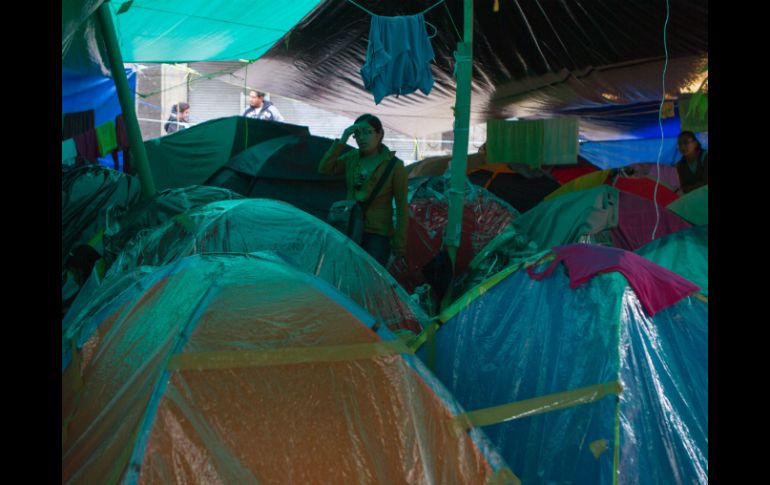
[[260, 108]]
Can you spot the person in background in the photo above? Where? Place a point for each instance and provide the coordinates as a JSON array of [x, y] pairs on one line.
[[693, 167], [261, 108], [362, 169], [180, 115]]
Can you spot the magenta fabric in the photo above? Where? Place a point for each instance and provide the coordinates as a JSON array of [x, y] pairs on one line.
[[88, 147], [120, 129], [636, 221], [655, 286]]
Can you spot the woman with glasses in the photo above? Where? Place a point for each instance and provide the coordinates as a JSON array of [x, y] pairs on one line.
[[363, 168]]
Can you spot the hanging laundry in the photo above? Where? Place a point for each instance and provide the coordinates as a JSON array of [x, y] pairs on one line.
[[68, 152], [106, 138], [515, 142], [74, 124], [655, 286], [533, 142], [123, 144], [88, 147], [122, 134], [398, 57], [560, 141]]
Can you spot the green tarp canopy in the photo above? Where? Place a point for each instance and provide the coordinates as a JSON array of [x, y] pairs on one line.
[[180, 30]]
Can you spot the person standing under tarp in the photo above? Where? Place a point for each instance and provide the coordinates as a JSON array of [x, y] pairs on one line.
[[261, 108], [180, 114], [363, 169], [693, 167]]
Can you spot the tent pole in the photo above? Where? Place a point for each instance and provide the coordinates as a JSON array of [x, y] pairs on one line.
[[126, 101], [464, 57]]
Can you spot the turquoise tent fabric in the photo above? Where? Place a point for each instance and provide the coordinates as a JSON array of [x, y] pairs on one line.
[[542, 337], [686, 253], [179, 30], [693, 206]]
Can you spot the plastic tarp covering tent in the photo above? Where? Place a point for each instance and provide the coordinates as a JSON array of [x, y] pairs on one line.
[[235, 369], [542, 337], [567, 56], [291, 235], [88, 193], [191, 156], [163, 206], [602, 215], [284, 168], [686, 253], [484, 217]]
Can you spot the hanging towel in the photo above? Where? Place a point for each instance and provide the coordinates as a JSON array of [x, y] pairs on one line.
[[77, 123], [515, 142], [68, 152], [122, 134], [655, 286], [398, 57], [88, 147], [560, 141], [106, 138]]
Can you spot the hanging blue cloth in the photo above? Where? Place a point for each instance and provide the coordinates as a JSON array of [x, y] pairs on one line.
[[398, 57]]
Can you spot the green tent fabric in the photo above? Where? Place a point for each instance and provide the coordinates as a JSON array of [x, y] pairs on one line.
[[686, 253], [180, 30], [693, 207], [567, 218], [191, 156]]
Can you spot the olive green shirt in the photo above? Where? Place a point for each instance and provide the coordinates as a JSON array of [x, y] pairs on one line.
[[378, 218]]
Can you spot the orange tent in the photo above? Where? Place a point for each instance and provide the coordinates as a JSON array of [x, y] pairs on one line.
[[230, 368]]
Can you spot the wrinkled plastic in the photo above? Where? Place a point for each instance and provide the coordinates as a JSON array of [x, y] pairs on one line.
[[541, 337], [686, 253], [163, 206], [291, 235], [88, 193], [484, 216], [381, 419], [565, 56]]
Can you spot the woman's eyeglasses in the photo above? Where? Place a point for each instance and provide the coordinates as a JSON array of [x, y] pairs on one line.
[[358, 133]]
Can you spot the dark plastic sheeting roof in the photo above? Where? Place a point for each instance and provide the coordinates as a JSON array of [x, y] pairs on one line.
[[530, 58]]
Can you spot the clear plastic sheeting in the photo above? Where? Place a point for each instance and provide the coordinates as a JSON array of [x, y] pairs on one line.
[[87, 194], [291, 235], [484, 217], [523, 339], [151, 213], [686, 253], [232, 369]]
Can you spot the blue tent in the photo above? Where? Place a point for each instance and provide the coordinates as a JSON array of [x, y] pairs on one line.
[[522, 339]]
